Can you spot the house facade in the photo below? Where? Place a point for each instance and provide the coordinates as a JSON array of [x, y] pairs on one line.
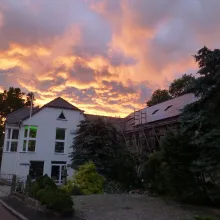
[[40, 143]]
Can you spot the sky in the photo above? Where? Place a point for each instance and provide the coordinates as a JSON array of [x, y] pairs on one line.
[[104, 56]]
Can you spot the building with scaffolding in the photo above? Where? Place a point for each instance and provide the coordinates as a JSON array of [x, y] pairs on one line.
[[146, 128]]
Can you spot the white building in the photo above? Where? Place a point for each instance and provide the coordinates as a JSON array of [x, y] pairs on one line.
[[40, 144]]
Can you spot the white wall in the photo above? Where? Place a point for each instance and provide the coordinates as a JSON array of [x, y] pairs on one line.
[[46, 120]]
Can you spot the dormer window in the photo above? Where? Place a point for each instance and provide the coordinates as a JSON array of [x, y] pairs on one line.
[[62, 116], [167, 107], [155, 111]]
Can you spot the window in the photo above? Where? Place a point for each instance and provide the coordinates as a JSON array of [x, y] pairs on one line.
[[30, 135], [12, 140], [62, 116], [155, 111], [60, 140], [167, 107]]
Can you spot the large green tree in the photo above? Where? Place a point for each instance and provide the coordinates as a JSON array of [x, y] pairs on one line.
[[192, 156], [100, 142], [182, 85], [159, 96]]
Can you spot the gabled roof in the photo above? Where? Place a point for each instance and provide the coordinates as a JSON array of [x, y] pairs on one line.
[[24, 113], [20, 115], [61, 103]]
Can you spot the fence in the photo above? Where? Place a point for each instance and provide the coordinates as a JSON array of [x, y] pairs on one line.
[[7, 184]]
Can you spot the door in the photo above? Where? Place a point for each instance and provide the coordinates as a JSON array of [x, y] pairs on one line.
[[36, 169], [57, 171]]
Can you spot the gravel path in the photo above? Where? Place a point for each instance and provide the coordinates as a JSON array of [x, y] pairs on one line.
[[130, 207]]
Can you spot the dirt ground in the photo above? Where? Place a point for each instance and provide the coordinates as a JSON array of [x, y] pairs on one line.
[[131, 207]]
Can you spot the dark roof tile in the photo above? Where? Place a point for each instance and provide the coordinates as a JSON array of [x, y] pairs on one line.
[[23, 113], [20, 114], [61, 103]]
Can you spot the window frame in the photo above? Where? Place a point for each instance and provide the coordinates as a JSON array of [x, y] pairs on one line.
[[62, 119], [60, 141], [28, 138], [60, 165], [10, 140]]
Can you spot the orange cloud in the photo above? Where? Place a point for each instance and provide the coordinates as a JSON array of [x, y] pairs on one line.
[[104, 56]]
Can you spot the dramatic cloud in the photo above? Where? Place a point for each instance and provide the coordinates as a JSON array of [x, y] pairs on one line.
[[105, 56]]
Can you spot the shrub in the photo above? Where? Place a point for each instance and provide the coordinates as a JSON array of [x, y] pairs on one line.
[[71, 188], [113, 187], [55, 200], [88, 180], [43, 182], [155, 174], [45, 190]]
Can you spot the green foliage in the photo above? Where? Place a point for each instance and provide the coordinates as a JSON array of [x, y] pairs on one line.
[[88, 180], [125, 173], [42, 183], [182, 85], [96, 141], [12, 100], [55, 200], [99, 141], [191, 157], [71, 188], [45, 182], [154, 174], [45, 190], [159, 96], [112, 187]]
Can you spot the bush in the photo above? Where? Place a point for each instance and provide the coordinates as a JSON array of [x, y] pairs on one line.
[[55, 200], [112, 187], [45, 190], [43, 182], [88, 180], [154, 174], [71, 188]]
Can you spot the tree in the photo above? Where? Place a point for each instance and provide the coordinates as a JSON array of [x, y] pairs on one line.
[[182, 85], [12, 100], [99, 141], [192, 156], [158, 97], [95, 141]]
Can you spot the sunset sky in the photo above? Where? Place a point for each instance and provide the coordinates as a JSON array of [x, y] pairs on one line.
[[104, 56]]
